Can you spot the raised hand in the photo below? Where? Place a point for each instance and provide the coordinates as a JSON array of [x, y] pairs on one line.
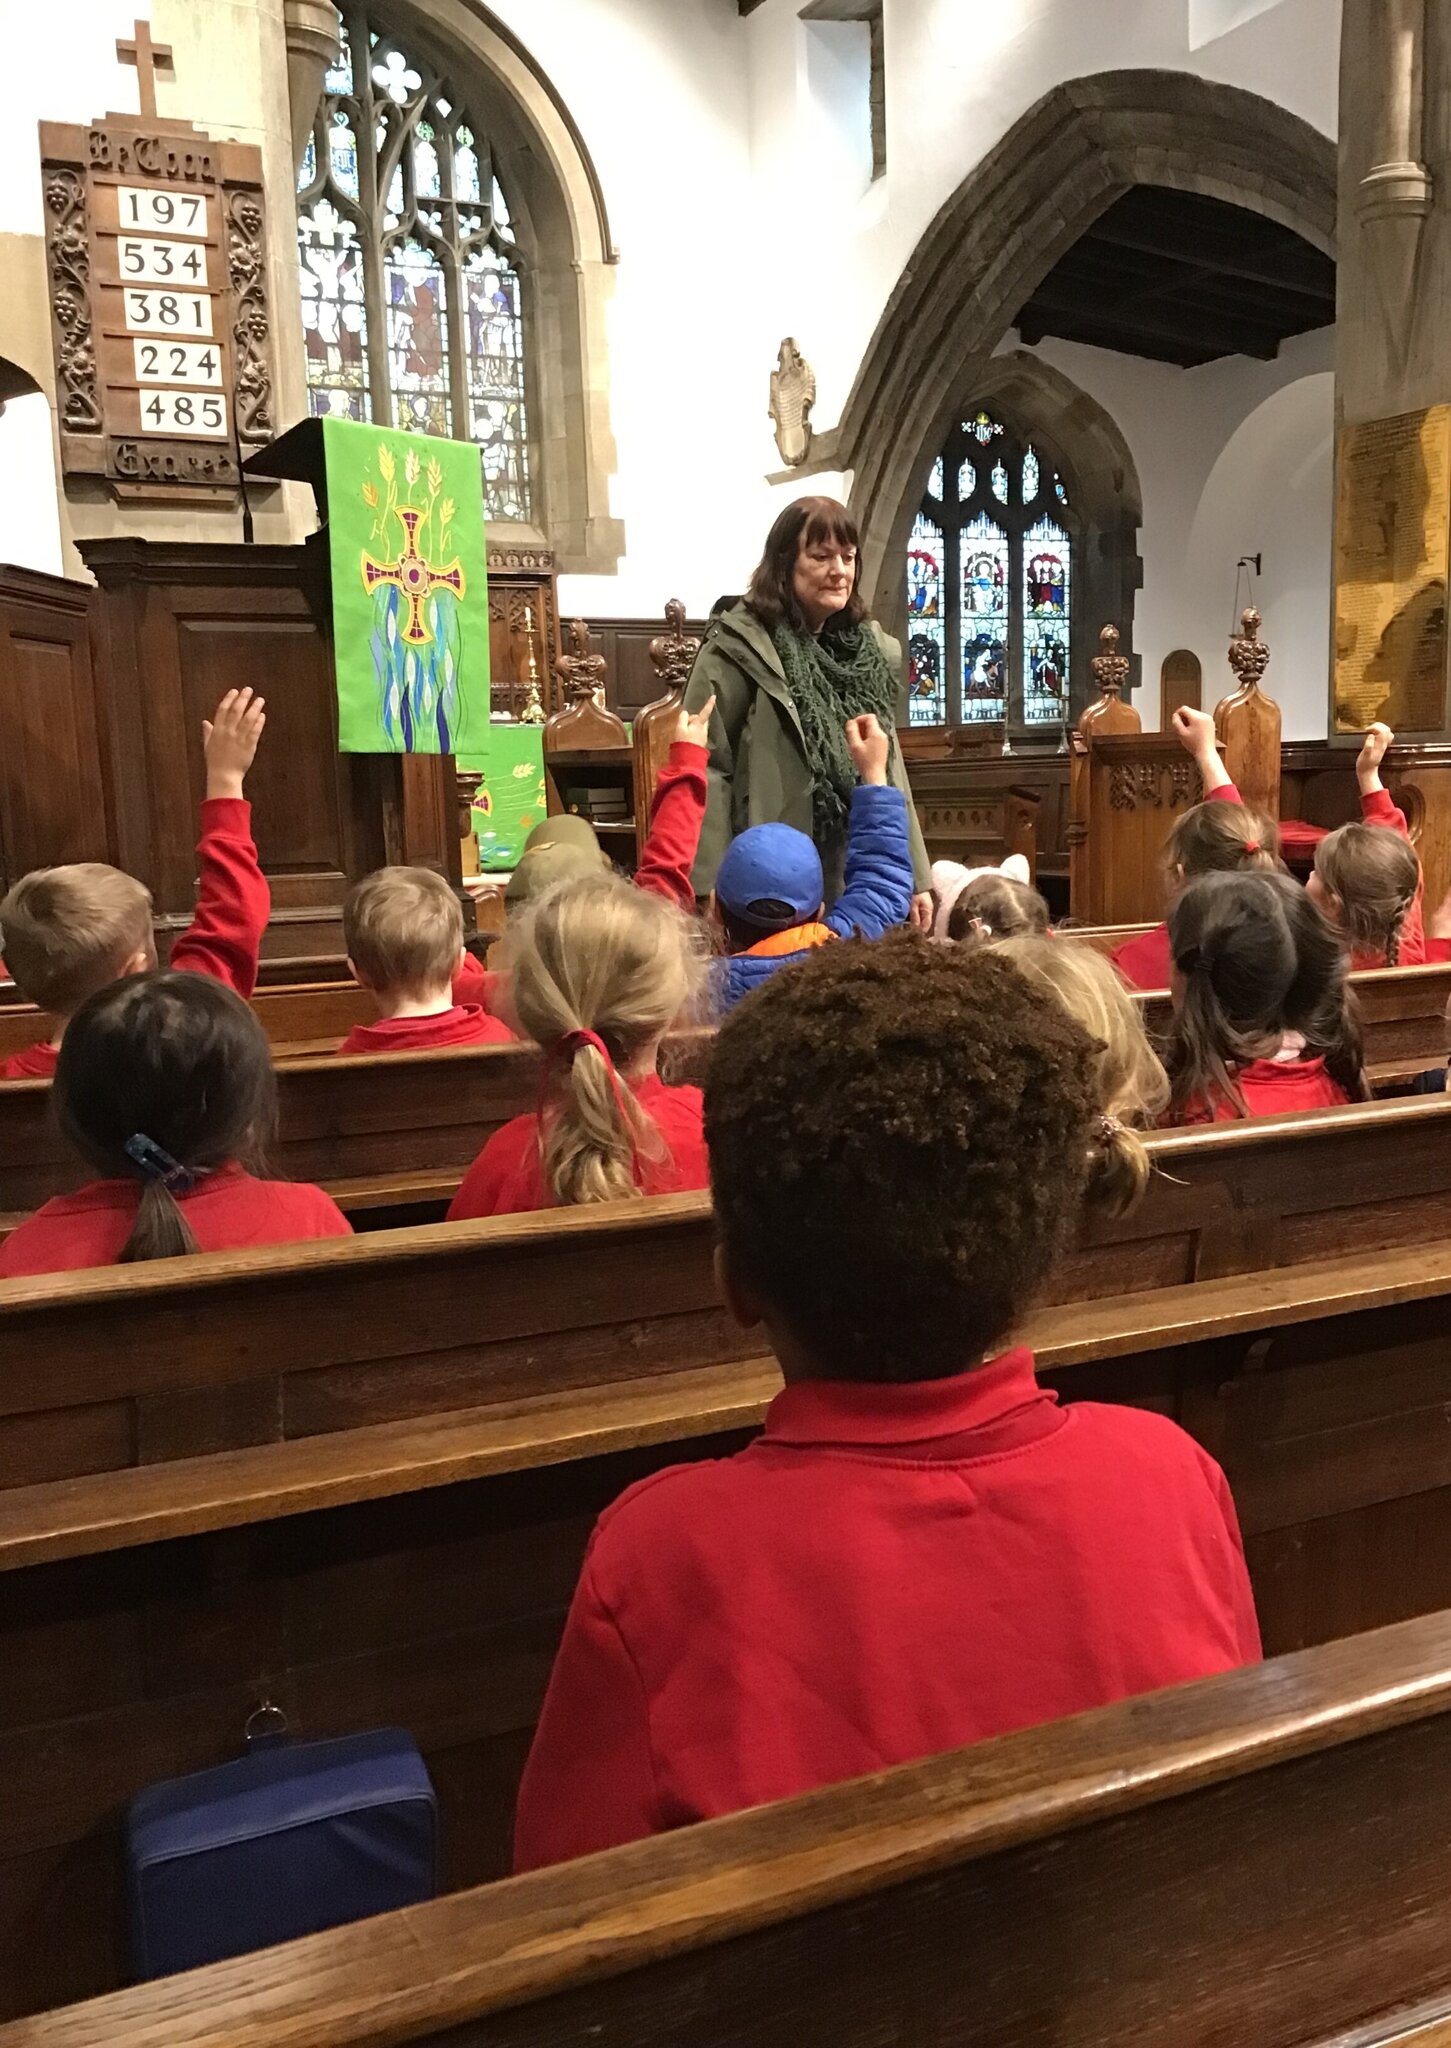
[[1194, 731], [1372, 753], [229, 740], [694, 726], [869, 747]]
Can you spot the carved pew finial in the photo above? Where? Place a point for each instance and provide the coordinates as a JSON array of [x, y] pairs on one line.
[[1248, 655], [672, 653], [1110, 668], [1247, 722]]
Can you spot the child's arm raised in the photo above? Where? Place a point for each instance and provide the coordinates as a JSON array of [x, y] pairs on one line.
[[234, 903], [677, 812], [1379, 807], [879, 880], [1195, 733]]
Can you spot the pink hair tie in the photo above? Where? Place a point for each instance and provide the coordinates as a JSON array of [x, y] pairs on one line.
[[1251, 846]]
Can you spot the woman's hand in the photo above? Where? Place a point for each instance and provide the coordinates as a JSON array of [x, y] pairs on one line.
[[920, 915], [694, 726]]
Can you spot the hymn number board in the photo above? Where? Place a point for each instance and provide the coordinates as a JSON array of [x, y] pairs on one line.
[[157, 260]]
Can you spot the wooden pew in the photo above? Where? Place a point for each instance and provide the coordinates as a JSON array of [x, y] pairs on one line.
[[392, 1136], [1403, 1015], [298, 1017], [1258, 1858], [360, 1477]]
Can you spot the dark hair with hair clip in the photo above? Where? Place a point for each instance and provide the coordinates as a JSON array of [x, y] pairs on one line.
[[996, 907], [804, 523], [161, 1079], [1257, 960]]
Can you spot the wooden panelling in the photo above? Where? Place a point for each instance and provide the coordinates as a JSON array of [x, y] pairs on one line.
[[1259, 1858], [631, 681], [54, 784]]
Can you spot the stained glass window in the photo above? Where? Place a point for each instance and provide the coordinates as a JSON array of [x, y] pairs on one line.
[[412, 295], [1047, 574], [984, 619], [926, 646], [989, 585]]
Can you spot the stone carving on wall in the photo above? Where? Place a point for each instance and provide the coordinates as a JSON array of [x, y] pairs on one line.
[[793, 393], [68, 254]]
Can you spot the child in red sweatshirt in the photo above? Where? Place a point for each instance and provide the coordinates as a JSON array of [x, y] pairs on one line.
[[68, 931], [1367, 878], [1263, 1023], [404, 932], [1220, 836], [165, 1087], [924, 1547]]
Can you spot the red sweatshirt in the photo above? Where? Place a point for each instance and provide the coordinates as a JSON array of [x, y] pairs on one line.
[[223, 939], [1270, 1088], [676, 815], [464, 1024], [1146, 962], [226, 1211], [507, 1175], [887, 1573]]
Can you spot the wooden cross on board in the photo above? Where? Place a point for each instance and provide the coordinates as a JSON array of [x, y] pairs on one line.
[[145, 55]]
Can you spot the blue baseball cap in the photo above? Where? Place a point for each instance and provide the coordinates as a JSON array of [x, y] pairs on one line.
[[771, 876]]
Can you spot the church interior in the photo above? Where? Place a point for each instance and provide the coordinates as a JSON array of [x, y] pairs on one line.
[[721, 1314]]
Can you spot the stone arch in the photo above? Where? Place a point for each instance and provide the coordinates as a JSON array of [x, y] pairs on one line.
[[1084, 144], [562, 225], [1082, 439]]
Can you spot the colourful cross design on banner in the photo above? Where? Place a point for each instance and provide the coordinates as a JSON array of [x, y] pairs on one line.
[[415, 579]]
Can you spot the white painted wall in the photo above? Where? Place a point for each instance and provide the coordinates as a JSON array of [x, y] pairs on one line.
[[959, 73], [1234, 458], [740, 197], [29, 508]]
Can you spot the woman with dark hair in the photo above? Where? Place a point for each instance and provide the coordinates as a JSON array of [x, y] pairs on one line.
[[788, 665]]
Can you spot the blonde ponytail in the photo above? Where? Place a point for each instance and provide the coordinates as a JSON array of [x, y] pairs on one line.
[[1131, 1084], [601, 971]]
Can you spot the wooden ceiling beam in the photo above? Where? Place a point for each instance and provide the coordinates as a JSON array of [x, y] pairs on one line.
[[1197, 330], [1248, 269]]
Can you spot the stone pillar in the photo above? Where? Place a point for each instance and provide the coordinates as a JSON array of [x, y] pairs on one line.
[[312, 43], [1393, 363]]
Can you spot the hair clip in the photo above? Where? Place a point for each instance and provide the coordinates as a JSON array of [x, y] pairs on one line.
[[155, 1164]]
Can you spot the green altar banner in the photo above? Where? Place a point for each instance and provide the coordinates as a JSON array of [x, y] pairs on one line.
[[510, 800], [410, 591]]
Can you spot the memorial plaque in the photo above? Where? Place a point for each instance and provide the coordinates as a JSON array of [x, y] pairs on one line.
[[1392, 524], [156, 251]]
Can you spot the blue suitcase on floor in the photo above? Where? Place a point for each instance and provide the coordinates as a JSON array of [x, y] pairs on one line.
[[289, 1839]]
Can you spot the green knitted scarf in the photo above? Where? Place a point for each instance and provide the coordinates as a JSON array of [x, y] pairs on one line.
[[833, 677]]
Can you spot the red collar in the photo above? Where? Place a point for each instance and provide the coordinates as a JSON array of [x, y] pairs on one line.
[[876, 1412]]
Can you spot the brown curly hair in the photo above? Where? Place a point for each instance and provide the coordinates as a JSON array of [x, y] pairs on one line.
[[899, 1133]]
